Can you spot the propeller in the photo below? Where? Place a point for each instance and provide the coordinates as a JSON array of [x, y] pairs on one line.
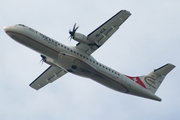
[[73, 31], [43, 59]]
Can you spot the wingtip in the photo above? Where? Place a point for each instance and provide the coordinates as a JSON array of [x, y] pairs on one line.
[[171, 65], [125, 11]]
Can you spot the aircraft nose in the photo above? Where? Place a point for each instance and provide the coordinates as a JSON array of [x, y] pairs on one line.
[[6, 28]]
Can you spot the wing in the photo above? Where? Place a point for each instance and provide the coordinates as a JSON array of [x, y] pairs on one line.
[[100, 35], [48, 76]]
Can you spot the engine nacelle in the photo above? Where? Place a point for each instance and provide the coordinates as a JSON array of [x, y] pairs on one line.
[[50, 61], [81, 38]]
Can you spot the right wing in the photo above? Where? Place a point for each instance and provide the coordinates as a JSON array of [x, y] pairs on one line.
[[48, 76]]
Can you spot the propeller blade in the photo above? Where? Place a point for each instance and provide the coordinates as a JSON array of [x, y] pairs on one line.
[[43, 59], [73, 32], [74, 26]]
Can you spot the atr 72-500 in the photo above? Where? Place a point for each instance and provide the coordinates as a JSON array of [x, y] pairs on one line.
[[79, 61]]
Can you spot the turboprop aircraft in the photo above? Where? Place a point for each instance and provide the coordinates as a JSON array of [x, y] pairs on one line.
[[79, 61]]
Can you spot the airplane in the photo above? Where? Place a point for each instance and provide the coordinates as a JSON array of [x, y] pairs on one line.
[[79, 61]]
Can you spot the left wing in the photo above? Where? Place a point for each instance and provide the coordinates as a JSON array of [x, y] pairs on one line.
[[99, 36], [48, 76]]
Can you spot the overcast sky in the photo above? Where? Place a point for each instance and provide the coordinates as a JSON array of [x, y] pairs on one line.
[[148, 39]]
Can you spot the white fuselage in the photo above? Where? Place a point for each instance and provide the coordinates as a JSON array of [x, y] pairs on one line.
[[75, 61]]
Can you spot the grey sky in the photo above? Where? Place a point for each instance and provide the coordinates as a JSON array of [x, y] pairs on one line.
[[146, 41]]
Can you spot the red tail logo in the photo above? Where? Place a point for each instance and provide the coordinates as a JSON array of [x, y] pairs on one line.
[[137, 80]]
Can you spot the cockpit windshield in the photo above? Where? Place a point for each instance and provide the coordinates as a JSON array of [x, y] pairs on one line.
[[21, 25]]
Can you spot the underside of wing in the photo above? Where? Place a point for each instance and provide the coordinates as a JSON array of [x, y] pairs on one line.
[[100, 35], [48, 76]]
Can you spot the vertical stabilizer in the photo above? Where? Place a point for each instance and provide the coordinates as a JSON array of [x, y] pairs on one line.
[[153, 80]]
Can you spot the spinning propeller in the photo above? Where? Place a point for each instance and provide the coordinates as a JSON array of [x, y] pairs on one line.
[[43, 59], [73, 31]]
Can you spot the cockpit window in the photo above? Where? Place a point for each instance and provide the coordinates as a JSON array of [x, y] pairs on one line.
[[21, 25]]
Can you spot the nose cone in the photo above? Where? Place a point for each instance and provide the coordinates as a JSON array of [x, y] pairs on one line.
[[6, 28]]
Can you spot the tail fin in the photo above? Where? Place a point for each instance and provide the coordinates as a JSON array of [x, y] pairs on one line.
[[153, 80]]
